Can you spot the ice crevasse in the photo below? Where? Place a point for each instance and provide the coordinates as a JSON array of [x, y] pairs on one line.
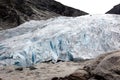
[[61, 38]]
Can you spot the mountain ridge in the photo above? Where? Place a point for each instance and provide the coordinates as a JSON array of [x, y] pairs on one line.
[[16, 12], [114, 10]]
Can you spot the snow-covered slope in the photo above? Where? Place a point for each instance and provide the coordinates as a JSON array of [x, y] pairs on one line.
[[60, 38]]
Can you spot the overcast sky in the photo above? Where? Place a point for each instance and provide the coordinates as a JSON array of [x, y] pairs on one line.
[[91, 6]]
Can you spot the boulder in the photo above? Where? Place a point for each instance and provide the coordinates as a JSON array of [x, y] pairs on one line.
[[78, 75], [105, 67]]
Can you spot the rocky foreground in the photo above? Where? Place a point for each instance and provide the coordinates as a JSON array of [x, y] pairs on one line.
[[104, 67]]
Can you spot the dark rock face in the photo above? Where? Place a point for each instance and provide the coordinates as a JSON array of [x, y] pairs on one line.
[[15, 12], [114, 10], [56, 7]]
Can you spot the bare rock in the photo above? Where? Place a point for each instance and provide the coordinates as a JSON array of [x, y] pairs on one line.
[[114, 10], [78, 75], [1, 79], [19, 69], [16, 12], [32, 68], [105, 67]]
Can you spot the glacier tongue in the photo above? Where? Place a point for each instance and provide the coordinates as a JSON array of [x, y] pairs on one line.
[[62, 38]]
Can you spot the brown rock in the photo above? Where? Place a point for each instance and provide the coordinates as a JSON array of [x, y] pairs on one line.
[[105, 67], [78, 75]]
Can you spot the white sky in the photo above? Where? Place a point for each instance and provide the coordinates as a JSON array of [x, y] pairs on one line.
[[91, 6]]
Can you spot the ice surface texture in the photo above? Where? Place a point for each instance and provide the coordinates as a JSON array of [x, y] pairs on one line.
[[62, 38]]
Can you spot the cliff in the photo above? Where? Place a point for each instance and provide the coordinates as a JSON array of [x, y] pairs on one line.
[[16, 12], [114, 10]]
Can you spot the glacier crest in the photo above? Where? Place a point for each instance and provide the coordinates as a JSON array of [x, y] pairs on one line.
[[62, 38]]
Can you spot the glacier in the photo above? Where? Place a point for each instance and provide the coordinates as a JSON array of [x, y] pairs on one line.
[[60, 38]]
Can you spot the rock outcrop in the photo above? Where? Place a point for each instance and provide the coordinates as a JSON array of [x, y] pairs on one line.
[[16, 12], [114, 10], [104, 67], [78, 75]]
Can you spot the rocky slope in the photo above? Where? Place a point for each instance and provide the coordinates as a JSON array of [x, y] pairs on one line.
[[104, 67], [114, 10], [16, 12]]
